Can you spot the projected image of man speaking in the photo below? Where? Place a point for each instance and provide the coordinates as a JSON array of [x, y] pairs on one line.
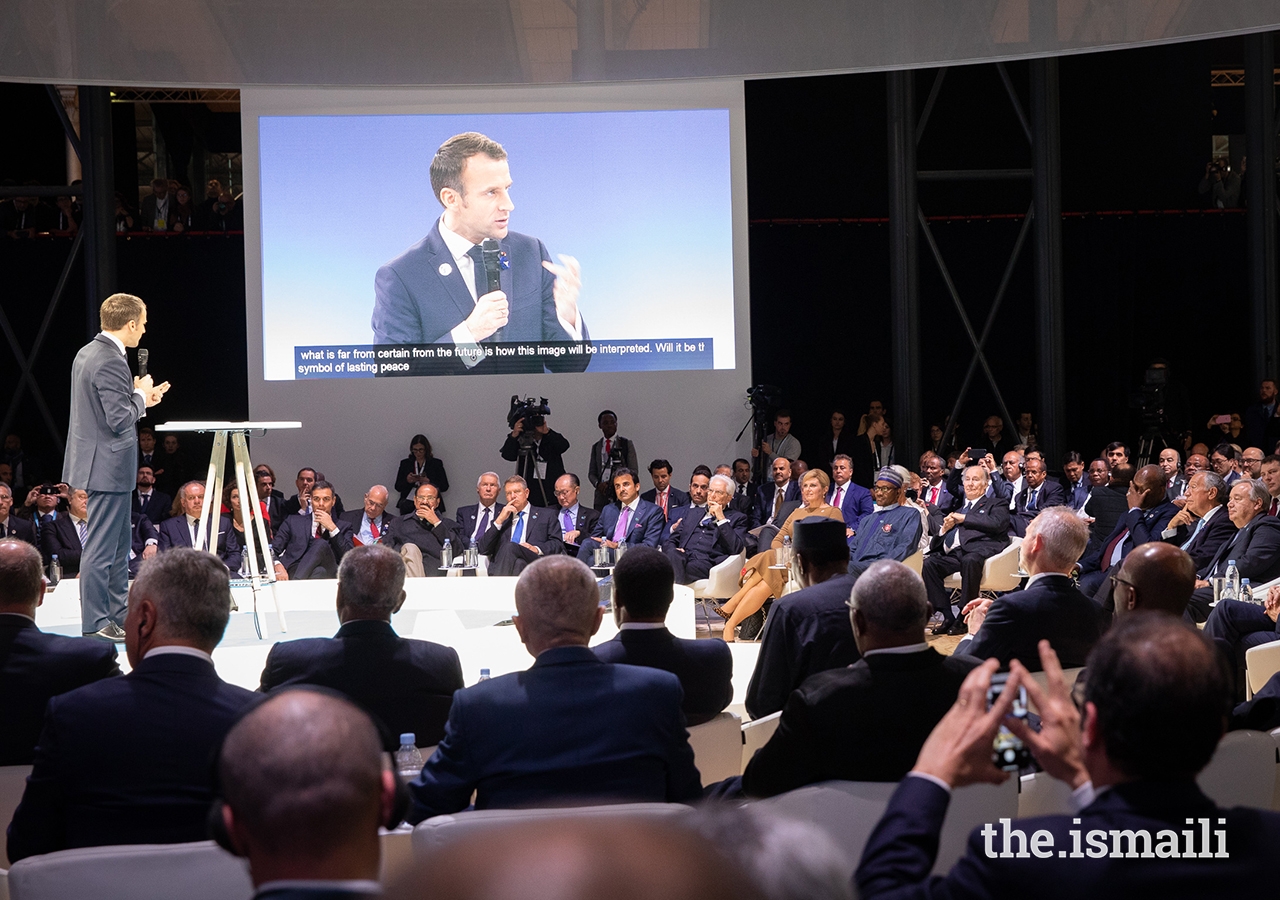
[[436, 292]]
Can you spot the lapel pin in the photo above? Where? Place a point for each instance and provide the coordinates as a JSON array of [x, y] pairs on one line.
[[445, 270]]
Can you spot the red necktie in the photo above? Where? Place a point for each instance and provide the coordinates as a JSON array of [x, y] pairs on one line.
[[317, 530], [608, 447], [1110, 550], [1275, 506], [373, 528]]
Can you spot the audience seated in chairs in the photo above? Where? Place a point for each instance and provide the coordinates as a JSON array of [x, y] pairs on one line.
[[628, 518], [702, 537], [570, 730], [1255, 548], [642, 594], [369, 525], [1204, 504], [126, 760], [304, 788], [1154, 704], [891, 530], [520, 533], [419, 536], [310, 546], [406, 684], [34, 665], [64, 536]]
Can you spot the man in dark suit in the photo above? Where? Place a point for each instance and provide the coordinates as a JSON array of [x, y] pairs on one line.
[[744, 497], [65, 535], [700, 539], [627, 519], [611, 452], [1048, 608], [1204, 514], [35, 666], [12, 526], [767, 505], [1257, 416], [1074, 480], [570, 730], [1147, 519], [544, 457], [313, 834], [1170, 462], [146, 543], [419, 536], [933, 486], [663, 495], [807, 631], [642, 594], [301, 501], [369, 524], [1038, 493], [312, 546], [576, 520], [265, 480], [867, 721], [1154, 701], [152, 503], [180, 530], [1255, 549], [852, 499], [966, 538], [520, 533], [474, 520], [406, 684], [1107, 500], [150, 734], [436, 292]]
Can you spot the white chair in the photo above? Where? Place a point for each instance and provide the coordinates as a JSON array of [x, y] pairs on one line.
[[197, 871], [1260, 663], [755, 734], [13, 781], [439, 831], [1242, 771], [1275, 798], [722, 582], [999, 572], [717, 747], [1040, 794], [397, 852], [849, 810]]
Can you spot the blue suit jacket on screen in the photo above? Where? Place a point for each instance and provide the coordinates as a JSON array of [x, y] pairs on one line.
[[569, 730], [415, 303], [705, 668], [128, 760]]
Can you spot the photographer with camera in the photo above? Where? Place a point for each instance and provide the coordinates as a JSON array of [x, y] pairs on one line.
[[535, 448], [1220, 185]]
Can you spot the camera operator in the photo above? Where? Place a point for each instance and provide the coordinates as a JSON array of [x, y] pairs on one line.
[[1220, 185], [536, 449]]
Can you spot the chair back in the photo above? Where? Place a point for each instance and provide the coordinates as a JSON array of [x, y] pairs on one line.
[[1260, 663], [717, 747], [1242, 771], [196, 871], [13, 781], [755, 734], [439, 831]]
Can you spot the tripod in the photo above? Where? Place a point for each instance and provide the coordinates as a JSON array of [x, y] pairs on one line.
[[526, 466]]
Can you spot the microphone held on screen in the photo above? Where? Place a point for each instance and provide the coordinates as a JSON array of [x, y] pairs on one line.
[[143, 355], [495, 260]]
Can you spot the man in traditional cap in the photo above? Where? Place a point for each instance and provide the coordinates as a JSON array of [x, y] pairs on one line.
[[890, 530]]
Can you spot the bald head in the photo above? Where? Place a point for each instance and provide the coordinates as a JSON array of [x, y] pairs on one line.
[[302, 776], [1155, 577], [21, 577], [557, 604]]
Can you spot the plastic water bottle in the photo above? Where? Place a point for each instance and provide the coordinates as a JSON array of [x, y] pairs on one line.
[[473, 555], [1231, 585], [786, 552], [446, 554], [1246, 592], [408, 759], [55, 571], [617, 554], [484, 675]]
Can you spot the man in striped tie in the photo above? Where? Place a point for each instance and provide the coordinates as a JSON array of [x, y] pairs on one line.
[[66, 535]]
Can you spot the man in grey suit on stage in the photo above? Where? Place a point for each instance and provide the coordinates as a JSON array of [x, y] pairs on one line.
[[102, 457]]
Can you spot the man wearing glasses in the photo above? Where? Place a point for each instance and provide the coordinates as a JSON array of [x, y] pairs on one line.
[[890, 530]]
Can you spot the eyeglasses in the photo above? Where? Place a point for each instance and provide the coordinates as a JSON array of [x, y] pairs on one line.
[[1116, 579], [882, 488], [563, 493]]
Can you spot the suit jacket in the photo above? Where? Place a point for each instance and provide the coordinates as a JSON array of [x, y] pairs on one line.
[[583, 522], [705, 668], [61, 537], [157, 506], [1052, 609], [406, 684], [469, 518], [1106, 506], [624, 447], [102, 445], [1143, 527], [864, 722], [295, 536], [128, 760], [1051, 494], [1075, 495], [432, 468], [945, 501], [567, 731], [21, 529], [1216, 532], [763, 506], [900, 852], [1255, 548], [985, 529], [711, 542], [890, 534], [550, 449], [541, 529], [355, 518], [430, 540], [175, 533], [855, 503], [143, 533], [744, 501], [675, 499], [807, 632], [35, 666], [645, 527], [420, 296]]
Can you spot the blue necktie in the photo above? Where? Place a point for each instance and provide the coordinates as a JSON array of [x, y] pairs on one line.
[[517, 533]]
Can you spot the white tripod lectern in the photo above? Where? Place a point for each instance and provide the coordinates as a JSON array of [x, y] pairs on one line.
[[255, 531]]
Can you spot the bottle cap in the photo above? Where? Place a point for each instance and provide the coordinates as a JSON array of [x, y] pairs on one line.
[[407, 738], [1231, 562], [484, 671]]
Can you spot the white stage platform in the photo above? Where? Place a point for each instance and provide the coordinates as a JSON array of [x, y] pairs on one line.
[[465, 613]]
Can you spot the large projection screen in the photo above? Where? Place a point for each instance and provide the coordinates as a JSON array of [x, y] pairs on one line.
[[354, 298]]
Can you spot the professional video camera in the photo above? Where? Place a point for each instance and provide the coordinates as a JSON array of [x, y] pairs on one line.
[[1150, 402], [529, 411]]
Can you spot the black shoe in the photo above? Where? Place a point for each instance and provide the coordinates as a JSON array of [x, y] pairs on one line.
[[943, 627], [958, 627]]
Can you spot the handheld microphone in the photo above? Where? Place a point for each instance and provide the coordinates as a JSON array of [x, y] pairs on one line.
[[143, 356], [495, 260]]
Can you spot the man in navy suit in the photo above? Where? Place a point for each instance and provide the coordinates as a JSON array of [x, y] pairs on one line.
[[642, 594], [700, 539], [126, 760], [663, 495], [966, 537], [312, 834], [1148, 517], [846, 495], [807, 630], [1153, 716], [570, 730], [369, 525], [933, 482], [627, 519], [65, 535], [576, 520], [436, 292], [474, 520], [35, 666], [1038, 493], [406, 684], [311, 546], [12, 526], [1255, 549], [152, 503], [1204, 514], [1049, 608], [767, 504], [178, 531], [520, 533]]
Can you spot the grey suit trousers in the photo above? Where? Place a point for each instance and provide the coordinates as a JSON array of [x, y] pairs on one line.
[[104, 563]]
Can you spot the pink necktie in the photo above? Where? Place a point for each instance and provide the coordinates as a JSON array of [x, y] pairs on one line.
[[620, 532], [839, 495]]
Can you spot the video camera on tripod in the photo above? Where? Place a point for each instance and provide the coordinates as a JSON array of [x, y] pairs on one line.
[[530, 412]]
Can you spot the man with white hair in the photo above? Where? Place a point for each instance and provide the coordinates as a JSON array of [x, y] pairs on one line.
[[1048, 608], [1255, 549], [702, 539], [570, 730]]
